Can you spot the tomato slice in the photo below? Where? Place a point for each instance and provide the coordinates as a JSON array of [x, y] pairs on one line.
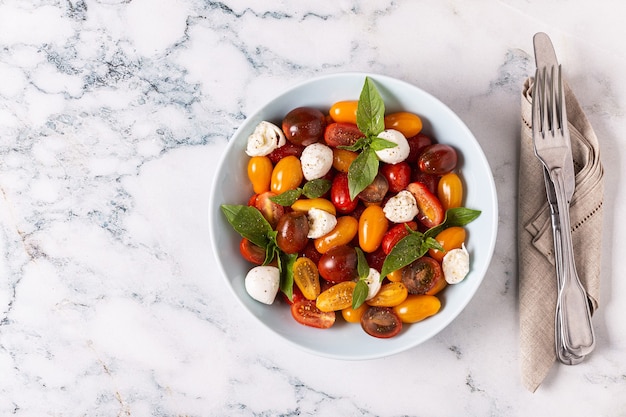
[[342, 134], [422, 275], [381, 322], [305, 312], [430, 208], [251, 252]]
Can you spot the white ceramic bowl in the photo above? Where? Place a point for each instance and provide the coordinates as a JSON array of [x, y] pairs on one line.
[[348, 341]]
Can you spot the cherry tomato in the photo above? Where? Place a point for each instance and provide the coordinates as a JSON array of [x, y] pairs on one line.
[[286, 175], [342, 134], [450, 191], [295, 296], [417, 307], [430, 209], [343, 158], [417, 143], [340, 194], [381, 322], [337, 297], [429, 180], [408, 124], [305, 312], [354, 316], [292, 230], [396, 234], [346, 229], [450, 238], [376, 259], [372, 227], [251, 252], [310, 252], [376, 191], [304, 125], [395, 276], [421, 275], [270, 210], [260, 173], [389, 295], [344, 111], [288, 149], [437, 159], [306, 277], [338, 264], [398, 175], [306, 204]]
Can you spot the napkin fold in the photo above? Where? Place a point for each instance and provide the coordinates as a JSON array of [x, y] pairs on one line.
[[537, 276]]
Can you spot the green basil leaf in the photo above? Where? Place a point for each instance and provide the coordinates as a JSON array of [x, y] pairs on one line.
[[316, 188], [271, 251], [407, 250], [370, 112], [378, 144], [286, 273], [359, 294], [363, 269], [362, 172], [287, 198], [458, 216], [249, 223], [356, 146]]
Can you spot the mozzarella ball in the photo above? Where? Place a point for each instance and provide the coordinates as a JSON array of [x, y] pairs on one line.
[[401, 208], [399, 152], [262, 283], [265, 138], [317, 160], [321, 222], [455, 265]]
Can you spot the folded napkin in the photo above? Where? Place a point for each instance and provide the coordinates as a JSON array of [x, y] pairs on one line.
[[537, 277]]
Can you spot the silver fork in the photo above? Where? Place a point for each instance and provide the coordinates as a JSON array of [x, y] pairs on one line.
[[553, 147]]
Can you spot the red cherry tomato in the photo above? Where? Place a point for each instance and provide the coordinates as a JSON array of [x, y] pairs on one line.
[[398, 175], [270, 210], [304, 125], [338, 264], [376, 259], [288, 149], [305, 312], [381, 322], [340, 194], [251, 252], [416, 144], [342, 134], [421, 275], [396, 234], [430, 209], [437, 159]]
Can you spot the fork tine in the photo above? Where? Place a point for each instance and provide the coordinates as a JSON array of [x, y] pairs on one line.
[[561, 101]]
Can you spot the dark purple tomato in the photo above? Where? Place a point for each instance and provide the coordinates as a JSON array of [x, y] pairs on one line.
[[338, 264], [381, 322], [437, 159], [416, 144], [421, 275], [304, 126], [292, 228], [376, 191], [288, 149]]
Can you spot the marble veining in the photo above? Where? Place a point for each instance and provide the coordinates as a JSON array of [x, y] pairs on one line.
[[113, 116]]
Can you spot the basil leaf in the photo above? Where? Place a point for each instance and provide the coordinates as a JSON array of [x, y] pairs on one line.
[[271, 251], [378, 144], [287, 198], [362, 172], [359, 294], [356, 146], [249, 223], [316, 188], [458, 216], [403, 253], [370, 112], [363, 269], [286, 273]]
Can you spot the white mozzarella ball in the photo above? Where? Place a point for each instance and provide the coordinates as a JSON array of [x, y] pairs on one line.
[[321, 222], [455, 265], [401, 208], [262, 283], [316, 160], [373, 283], [399, 152], [265, 138]]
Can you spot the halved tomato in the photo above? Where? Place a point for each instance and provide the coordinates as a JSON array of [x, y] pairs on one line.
[[381, 322], [305, 312], [430, 208]]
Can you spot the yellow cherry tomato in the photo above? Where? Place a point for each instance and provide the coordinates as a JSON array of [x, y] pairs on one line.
[[344, 111], [417, 307], [306, 204], [389, 295], [337, 297], [286, 175], [260, 173], [343, 233], [450, 238], [372, 227], [354, 316], [450, 190], [306, 277], [395, 276], [342, 159], [408, 124]]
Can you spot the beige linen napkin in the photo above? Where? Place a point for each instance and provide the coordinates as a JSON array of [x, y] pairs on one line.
[[537, 278]]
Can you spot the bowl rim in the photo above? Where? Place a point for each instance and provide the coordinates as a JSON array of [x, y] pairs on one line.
[[458, 308]]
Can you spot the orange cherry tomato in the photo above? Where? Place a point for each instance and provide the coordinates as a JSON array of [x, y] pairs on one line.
[[307, 278], [431, 212], [306, 204], [417, 307], [389, 295], [408, 124], [450, 191], [372, 227], [450, 238], [337, 297], [286, 175], [344, 111], [440, 284], [260, 173], [343, 233], [354, 316], [395, 276], [342, 159]]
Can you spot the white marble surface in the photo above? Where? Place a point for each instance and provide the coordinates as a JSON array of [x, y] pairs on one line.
[[113, 114]]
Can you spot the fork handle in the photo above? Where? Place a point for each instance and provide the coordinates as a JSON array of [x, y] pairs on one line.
[[572, 303]]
